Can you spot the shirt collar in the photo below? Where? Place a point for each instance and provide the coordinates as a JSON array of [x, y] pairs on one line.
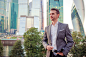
[[56, 24]]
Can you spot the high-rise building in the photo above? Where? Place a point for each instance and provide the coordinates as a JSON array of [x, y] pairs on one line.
[[3, 16], [12, 14], [36, 22], [30, 6], [42, 18], [58, 4], [85, 17], [2, 30], [22, 25], [23, 7], [26, 22], [8, 15], [78, 15], [29, 22], [37, 10], [23, 11]]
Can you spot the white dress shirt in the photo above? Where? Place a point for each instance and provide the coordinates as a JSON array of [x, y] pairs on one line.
[[53, 35]]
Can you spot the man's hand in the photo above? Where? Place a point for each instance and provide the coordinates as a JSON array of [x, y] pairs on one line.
[[49, 47], [61, 54]]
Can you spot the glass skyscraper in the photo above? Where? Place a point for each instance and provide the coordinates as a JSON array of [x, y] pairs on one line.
[[2, 30], [23, 7], [58, 4], [23, 10], [8, 15], [14, 14], [77, 16], [22, 26], [42, 18], [2, 16], [37, 10], [36, 22]]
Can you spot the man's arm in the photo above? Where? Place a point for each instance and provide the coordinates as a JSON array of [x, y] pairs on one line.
[[46, 46], [44, 41], [69, 41]]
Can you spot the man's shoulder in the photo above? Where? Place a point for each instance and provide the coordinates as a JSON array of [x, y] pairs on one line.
[[48, 26], [63, 23]]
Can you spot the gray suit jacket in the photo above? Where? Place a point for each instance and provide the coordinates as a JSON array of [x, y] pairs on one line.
[[62, 33]]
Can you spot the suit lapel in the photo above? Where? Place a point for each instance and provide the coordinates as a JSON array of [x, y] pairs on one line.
[[50, 35], [59, 26]]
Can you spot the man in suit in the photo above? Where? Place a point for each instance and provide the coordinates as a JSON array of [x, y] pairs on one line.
[[57, 37]]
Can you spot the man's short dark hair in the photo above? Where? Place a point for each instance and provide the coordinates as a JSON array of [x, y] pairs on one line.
[[57, 11]]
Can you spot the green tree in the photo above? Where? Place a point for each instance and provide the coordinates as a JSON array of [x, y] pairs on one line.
[[1, 49], [17, 50], [78, 50], [33, 43]]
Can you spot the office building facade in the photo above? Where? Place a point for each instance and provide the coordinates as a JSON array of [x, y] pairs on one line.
[[58, 4], [29, 22], [26, 22], [22, 25], [77, 16], [42, 16], [23, 7], [13, 16], [36, 9], [23, 11], [8, 16], [3, 16], [36, 22]]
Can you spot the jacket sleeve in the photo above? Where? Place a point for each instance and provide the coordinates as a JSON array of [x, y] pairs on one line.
[[69, 41], [44, 41]]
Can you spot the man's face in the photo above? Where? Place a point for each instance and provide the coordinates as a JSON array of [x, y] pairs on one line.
[[53, 15]]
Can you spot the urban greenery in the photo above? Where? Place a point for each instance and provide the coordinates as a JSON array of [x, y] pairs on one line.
[[79, 47], [13, 37], [1, 49], [33, 43], [17, 50]]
